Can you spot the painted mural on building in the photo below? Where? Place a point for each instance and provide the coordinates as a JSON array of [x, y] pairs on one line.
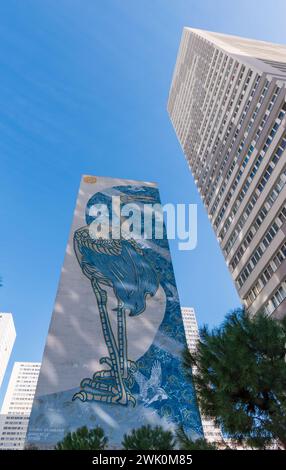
[[113, 352]]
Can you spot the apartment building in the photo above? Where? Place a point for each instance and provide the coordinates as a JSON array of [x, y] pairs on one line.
[[17, 405], [227, 106]]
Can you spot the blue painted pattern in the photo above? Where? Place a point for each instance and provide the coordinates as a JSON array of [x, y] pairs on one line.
[[156, 382]]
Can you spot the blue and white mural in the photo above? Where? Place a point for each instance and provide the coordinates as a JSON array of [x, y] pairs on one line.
[[113, 353]]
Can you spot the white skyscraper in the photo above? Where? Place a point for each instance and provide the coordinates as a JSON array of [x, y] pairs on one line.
[[7, 339], [227, 105], [191, 327], [17, 405], [212, 433]]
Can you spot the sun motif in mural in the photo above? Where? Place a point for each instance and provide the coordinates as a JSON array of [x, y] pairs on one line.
[[119, 264]]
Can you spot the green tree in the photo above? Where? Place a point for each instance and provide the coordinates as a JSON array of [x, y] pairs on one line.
[[186, 443], [241, 377], [84, 439], [148, 438]]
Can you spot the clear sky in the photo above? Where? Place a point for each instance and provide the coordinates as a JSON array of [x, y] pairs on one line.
[[83, 90]]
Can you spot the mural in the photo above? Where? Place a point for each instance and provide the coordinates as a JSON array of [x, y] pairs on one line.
[[113, 353]]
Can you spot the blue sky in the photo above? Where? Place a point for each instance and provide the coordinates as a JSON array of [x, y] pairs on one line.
[[83, 89]]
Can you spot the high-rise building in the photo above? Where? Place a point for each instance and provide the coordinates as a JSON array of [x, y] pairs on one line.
[[227, 105], [112, 355], [17, 405], [7, 339], [191, 327], [212, 432]]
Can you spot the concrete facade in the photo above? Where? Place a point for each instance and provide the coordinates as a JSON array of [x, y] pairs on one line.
[[17, 405], [212, 432], [227, 106], [113, 352]]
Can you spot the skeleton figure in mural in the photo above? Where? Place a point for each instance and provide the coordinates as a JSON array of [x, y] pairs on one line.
[[120, 264]]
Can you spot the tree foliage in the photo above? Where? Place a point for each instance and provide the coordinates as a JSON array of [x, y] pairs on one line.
[[241, 377], [149, 438], [186, 443], [84, 439]]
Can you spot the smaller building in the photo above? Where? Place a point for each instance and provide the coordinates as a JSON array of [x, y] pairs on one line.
[[7, 340], [191, 328], [17, 405], [212, 432]]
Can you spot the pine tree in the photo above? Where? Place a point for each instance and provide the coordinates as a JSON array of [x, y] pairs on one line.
[[241, 377], [84, 439], [186, 443], [148, 438]]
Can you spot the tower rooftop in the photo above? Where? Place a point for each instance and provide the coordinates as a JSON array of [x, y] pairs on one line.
[[271, 54]]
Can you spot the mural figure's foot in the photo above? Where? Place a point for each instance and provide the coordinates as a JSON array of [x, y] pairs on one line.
[[106, 360], [132, 366], [104, 385], [131, 369], [84, 395], [107, 374], [102, 375], [98, 385], [126, 398]]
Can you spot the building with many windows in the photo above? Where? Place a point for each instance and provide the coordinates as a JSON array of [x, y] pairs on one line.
[[212, 432], [17, 405], [227, 105], [7, 339]]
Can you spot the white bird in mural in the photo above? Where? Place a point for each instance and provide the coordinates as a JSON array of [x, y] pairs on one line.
[[151, 389]]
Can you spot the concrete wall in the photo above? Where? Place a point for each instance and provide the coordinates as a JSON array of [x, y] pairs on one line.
[[154, 387]]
